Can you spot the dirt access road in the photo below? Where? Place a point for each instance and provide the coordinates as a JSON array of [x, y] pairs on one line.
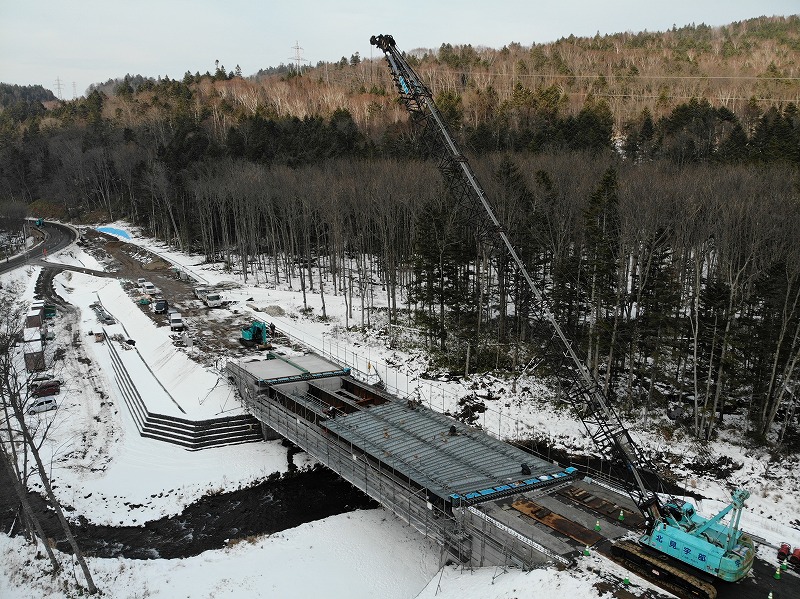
[[215, 331]]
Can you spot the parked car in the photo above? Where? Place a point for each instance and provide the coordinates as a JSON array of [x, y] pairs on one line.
[[148, 288], [161, 306], [103, 316], [34, 385], [175, 321], [140, 280], [200, 292], [42, 405], [38, 377], [47, 388], [213, 300]]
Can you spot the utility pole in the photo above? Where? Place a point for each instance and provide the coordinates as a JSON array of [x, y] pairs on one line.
[[59, 85], [74, 92]]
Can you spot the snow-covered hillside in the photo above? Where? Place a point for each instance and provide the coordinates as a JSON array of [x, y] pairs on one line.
[[113, 476]]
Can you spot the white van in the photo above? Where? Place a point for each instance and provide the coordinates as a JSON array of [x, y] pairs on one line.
[[175, 321], [43, 404], [148, 288], [213, 300]]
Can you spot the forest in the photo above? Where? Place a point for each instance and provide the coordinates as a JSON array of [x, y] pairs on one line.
[[649, 181]]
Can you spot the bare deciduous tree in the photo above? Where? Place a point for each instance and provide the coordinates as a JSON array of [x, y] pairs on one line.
[[16, 400]]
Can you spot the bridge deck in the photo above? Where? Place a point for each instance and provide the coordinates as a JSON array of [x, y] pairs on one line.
[[441, 454], [449, 459]]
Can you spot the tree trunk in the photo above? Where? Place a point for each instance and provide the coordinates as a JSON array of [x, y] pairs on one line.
[[26, 508], [442, 327], [694, 319], [703, 420], [721, 368], [54, 502], [322, 290], [770, 405], [350, 294]]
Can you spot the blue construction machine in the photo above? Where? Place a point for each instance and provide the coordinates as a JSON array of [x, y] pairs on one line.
[[256, 335], [680, 549]]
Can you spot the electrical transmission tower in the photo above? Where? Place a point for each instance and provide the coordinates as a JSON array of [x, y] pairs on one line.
[[297, 58], [59, 85]]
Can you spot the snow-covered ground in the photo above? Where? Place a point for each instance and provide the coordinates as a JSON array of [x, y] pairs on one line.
[[111, 475]]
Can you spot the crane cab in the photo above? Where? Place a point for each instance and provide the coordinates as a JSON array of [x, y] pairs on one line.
[[704, 543]]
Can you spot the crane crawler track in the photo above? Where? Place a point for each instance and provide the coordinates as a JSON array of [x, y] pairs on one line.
[[659, 570]]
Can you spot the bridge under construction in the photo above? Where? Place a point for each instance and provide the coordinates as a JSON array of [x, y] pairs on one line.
[[484, 501]]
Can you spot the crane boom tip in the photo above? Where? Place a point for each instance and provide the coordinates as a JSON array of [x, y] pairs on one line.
[[384, 42]]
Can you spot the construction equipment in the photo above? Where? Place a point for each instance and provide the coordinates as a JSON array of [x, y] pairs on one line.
[[256, 335], [675, 535]]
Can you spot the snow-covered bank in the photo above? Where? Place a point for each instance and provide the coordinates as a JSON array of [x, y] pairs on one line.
[[365, 554]]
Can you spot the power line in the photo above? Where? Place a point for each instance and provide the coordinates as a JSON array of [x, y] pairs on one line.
[[550, 75], [347, 77]]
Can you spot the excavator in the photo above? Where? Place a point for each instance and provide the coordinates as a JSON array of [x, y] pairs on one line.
[[680, 549], [257, 335]]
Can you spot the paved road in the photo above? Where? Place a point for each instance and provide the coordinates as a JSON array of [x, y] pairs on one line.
[[55, 237]]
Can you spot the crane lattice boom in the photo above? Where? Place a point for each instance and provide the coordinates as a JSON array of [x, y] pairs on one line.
[[601, 421]]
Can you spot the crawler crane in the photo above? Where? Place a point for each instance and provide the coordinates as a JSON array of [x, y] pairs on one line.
[[675, 535]]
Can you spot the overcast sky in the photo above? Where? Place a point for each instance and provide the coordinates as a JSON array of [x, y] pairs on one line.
[[88, 41]]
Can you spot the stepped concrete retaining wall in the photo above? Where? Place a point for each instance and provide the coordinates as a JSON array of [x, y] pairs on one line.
[[191, 434]]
